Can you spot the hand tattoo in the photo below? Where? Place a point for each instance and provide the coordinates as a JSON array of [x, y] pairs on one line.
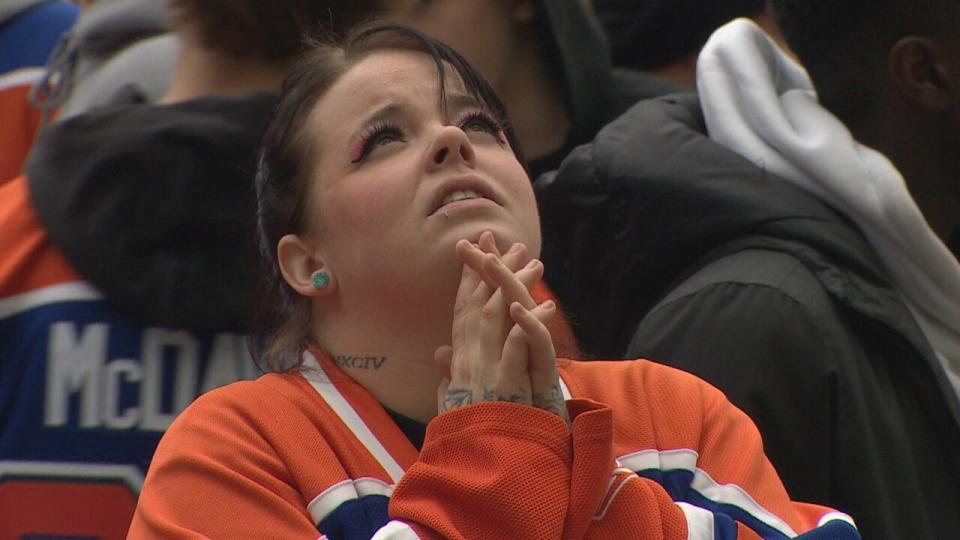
[[456, 398], [552, 401], [518, 397]]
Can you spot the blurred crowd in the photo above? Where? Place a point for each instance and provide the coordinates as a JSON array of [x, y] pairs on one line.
[[763, 194]]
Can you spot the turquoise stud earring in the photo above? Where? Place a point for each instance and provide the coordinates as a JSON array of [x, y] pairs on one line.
[[320, 280]]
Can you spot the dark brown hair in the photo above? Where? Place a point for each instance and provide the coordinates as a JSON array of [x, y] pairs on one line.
[[282, 327], [272, 29]]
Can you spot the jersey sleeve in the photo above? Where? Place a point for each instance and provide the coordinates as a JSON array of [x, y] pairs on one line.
[[724, 487], [481, 477], [220, 472]]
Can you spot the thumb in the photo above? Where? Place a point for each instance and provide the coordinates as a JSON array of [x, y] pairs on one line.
[[442, 359]]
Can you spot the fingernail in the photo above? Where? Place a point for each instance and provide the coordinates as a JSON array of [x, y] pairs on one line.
[[549, 305], [532, 264]]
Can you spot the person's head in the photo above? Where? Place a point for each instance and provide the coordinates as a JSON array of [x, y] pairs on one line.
[[372, 140], [665, 36], [890, 71], [272, 30], [488, 33], [854, 50]]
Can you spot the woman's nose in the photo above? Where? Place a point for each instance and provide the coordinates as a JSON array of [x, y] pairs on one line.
[[450, 146]]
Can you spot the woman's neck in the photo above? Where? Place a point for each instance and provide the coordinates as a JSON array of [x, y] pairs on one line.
[[391, 354]]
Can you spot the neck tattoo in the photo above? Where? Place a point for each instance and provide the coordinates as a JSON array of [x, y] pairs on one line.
[[360, 362]]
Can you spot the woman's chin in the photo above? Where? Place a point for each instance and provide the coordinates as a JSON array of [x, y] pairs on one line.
[[504, 234]]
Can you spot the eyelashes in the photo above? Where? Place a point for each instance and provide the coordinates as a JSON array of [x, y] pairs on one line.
[[383, 132], [479, 120]]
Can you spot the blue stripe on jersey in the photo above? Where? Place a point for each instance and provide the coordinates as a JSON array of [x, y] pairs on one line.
[[356, 519], [677, 483], [724, 527]]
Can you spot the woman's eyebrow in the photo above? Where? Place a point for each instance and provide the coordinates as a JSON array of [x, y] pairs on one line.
[[459, 101], [389, 110]]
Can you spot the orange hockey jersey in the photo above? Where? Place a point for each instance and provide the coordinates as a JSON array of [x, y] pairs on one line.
[[652, 453]]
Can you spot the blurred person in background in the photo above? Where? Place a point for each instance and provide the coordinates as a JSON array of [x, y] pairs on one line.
[[664, 37], [126, 268], [547, 59], [120, 51], [29, 33], [791, 236], [117, 51]]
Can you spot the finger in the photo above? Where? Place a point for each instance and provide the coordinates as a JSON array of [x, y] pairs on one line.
[[516, 257], [542, 361], [513, 380], [454, 370], [442, 359], [546, 392], [464, 306], [488, 243], [515, 286], [494, 324], [467, 252], [471, 255], [473, 301]]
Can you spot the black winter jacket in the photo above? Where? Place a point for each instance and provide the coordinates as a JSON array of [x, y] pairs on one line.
[[595, 91], [663, 244]]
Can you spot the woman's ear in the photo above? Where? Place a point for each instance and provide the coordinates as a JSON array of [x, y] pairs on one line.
[[303, 269]]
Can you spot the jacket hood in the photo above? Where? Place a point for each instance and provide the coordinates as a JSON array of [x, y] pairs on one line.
[[582, 56], [154, 205], [629, 215], [596, 93]]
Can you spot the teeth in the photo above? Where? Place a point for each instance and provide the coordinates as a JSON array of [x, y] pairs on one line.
[[460, 195]]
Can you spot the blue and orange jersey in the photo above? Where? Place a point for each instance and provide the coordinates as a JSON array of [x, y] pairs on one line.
[[652, 453], [85, 390], [21, 121], [27, 40]]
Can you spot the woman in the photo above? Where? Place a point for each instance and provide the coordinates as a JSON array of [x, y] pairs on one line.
[[402, 233]]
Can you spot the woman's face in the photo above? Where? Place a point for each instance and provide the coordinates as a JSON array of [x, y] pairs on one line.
[[397, 180]]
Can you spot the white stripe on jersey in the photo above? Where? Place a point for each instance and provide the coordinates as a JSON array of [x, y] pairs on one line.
[[564, 389], [686, 460], [22, 77], [699, 522], [323, 504], [396, 530], [313, 372], [836, 516], [79, 291], [129, 474]]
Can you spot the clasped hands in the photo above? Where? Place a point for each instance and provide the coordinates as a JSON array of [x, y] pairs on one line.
[[501, 348]]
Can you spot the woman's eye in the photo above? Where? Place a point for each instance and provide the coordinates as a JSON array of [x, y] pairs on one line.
[[378, 136], [480, 121], [384, 139]]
